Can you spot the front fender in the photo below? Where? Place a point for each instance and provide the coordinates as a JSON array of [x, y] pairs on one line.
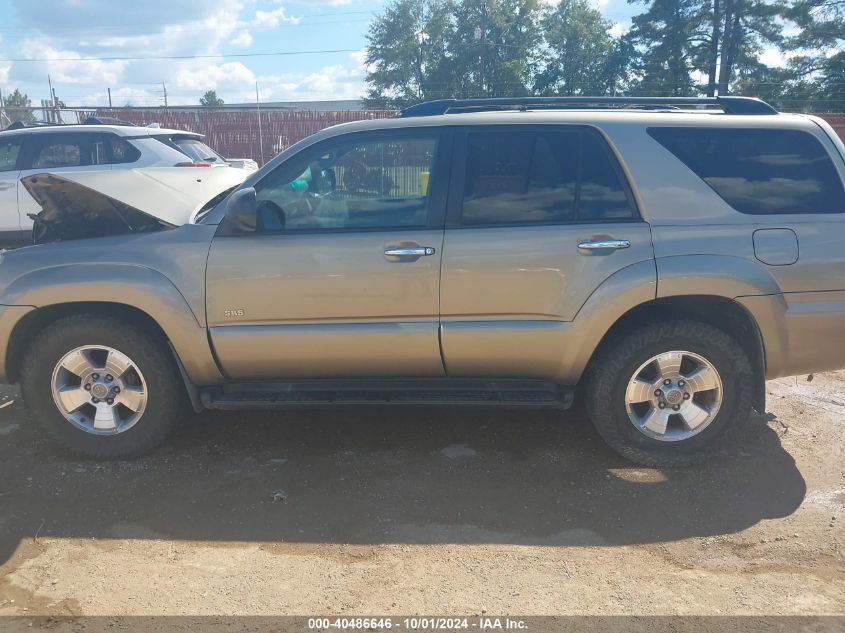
[[132, 285]]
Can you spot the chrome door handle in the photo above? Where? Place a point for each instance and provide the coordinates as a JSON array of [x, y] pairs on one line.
[[408, 251], [603, 245]]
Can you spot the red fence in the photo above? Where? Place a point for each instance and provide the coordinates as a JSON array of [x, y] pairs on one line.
[[837, 122], [235, 134]]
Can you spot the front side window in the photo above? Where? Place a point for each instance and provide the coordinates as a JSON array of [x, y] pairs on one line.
[[69, 150], [10, 148], [757, 171], [365, 184], [541, 177]]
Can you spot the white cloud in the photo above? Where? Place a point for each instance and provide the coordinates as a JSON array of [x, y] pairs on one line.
[[62, 67], [619, 28], [334, 82], [242, 39], [772, 57], [212, 76], [272, 19]]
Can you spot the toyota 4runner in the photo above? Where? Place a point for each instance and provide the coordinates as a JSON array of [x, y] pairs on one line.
[[664, 257]]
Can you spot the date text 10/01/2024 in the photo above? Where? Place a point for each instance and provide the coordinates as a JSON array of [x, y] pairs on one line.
[[417, 624]]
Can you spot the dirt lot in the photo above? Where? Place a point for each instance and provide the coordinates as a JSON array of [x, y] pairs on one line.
[[432, 511]]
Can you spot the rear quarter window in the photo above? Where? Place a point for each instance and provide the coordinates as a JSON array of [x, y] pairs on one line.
[[759, 171]]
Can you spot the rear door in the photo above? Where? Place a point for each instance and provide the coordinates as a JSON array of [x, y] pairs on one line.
[[11, 146], [60, 152], [539, 217]]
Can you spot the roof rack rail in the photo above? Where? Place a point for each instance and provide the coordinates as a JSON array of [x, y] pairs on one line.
[[729, 105], [20, 125], [106, 120]]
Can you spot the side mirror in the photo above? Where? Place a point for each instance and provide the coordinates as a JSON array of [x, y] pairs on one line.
[[242, 211]]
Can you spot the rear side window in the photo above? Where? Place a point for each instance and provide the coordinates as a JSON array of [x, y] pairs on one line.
[[542, 177], [122, 151], [197, 151], [759, 172], [10, 148], [69, 150]]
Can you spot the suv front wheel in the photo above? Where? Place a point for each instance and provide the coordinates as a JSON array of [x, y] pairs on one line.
[[102, 387], [663, 393]]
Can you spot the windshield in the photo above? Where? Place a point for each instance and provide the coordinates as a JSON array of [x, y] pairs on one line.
[[197, 151]]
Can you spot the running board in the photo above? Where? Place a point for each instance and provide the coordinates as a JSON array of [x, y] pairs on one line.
[[508, 393]]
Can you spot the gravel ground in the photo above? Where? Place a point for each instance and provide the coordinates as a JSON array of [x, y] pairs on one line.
[[428, 511]]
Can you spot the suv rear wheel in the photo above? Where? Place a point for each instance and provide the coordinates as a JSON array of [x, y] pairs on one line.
[[102, 387], [662, 394]]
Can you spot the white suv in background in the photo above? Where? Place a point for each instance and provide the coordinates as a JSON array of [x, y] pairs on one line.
[[148, 168]]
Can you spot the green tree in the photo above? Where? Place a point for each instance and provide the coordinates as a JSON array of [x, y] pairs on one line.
[[211, 100], [19, 107], [495, 47], [666, 39], [581, 57], [406, 53], [430, 49]]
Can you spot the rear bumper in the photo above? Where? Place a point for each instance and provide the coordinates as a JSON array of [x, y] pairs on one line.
[[10, 316]]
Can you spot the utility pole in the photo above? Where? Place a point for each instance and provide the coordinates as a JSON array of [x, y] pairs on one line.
[[483, 43], [164, 89], [260, 135], [109, 89], [51, 115]]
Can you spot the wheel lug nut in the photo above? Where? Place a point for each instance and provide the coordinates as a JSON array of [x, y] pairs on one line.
[[87, 386], [658, 393], [116, 389], [686, 396], [667, 382], [661, 405], [110, 401], [109, 378], [95, 400], [677, 407], [681, 383], [96, 376]]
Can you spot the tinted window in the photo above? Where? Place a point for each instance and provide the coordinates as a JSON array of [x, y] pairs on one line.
[[197, 151], [69, 150], [122, 151], [10, 148], [353, 185], [760, 172], [541, 177]]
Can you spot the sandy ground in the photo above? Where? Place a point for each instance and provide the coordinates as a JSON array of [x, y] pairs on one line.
[[429, 511]]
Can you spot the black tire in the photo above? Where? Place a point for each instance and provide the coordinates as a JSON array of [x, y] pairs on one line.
[[608, 376], [166, 396]]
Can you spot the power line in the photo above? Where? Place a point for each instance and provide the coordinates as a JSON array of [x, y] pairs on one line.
[[157, 57]]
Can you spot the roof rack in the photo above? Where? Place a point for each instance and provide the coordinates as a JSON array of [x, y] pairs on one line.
[[106, 120], [20, 125], [729, 105]]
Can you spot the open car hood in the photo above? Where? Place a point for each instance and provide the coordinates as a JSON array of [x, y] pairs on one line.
[[71, 210]]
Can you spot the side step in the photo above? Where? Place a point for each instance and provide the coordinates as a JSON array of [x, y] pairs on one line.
[[509, 393]]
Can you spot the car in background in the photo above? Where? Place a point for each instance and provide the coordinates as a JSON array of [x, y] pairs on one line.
[[146, 168]]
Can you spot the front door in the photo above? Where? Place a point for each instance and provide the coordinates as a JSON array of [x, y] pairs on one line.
[[341, 275], [539, 217]]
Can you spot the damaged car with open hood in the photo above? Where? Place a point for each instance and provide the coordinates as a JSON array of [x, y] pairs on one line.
[[165, 174]]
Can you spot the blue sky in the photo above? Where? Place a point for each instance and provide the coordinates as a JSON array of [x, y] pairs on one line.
[[63, 32]]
